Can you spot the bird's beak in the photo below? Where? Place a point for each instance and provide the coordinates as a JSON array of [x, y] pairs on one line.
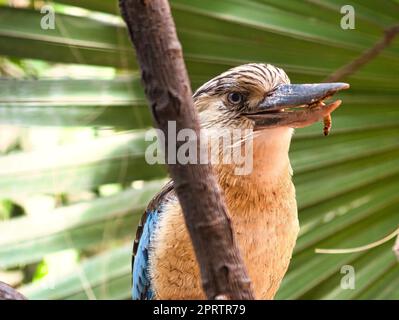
[[295, 105]]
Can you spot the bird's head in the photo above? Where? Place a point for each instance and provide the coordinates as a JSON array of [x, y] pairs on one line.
[[259, 97]]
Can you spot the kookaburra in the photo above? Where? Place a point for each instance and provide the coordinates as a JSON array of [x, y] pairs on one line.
[[261, 204]]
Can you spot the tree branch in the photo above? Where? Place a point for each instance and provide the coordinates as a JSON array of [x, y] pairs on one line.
[[9, 293], [167, 87]]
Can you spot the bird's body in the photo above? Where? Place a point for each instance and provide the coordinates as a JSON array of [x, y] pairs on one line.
[[265, 232], [261, 204]]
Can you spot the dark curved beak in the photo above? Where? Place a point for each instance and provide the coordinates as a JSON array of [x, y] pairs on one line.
[[295, 105], [294, 95]]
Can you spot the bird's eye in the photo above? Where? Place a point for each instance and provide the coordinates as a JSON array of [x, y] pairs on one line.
[[235, 97]]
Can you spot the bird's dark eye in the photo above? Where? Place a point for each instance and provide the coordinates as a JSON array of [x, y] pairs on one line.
[[235, 97]]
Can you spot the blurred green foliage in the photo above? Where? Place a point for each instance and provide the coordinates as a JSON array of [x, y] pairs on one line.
[[73, 179]]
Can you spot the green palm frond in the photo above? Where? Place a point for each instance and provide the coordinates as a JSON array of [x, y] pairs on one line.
[[347, 184]]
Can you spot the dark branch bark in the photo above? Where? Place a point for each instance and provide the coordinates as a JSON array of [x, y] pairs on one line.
[[365, 57], [9, 293], [167, 87]]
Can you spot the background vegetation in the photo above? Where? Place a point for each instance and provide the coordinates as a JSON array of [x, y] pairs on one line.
[[73, 179]]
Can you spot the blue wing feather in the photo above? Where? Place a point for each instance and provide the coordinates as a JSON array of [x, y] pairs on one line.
[[141, 289]]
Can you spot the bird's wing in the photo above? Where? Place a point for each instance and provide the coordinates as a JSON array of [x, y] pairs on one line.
[[141, 289]]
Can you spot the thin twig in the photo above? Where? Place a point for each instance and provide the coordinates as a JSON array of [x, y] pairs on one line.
[[365, 57], [362, 248], [396, 247]]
